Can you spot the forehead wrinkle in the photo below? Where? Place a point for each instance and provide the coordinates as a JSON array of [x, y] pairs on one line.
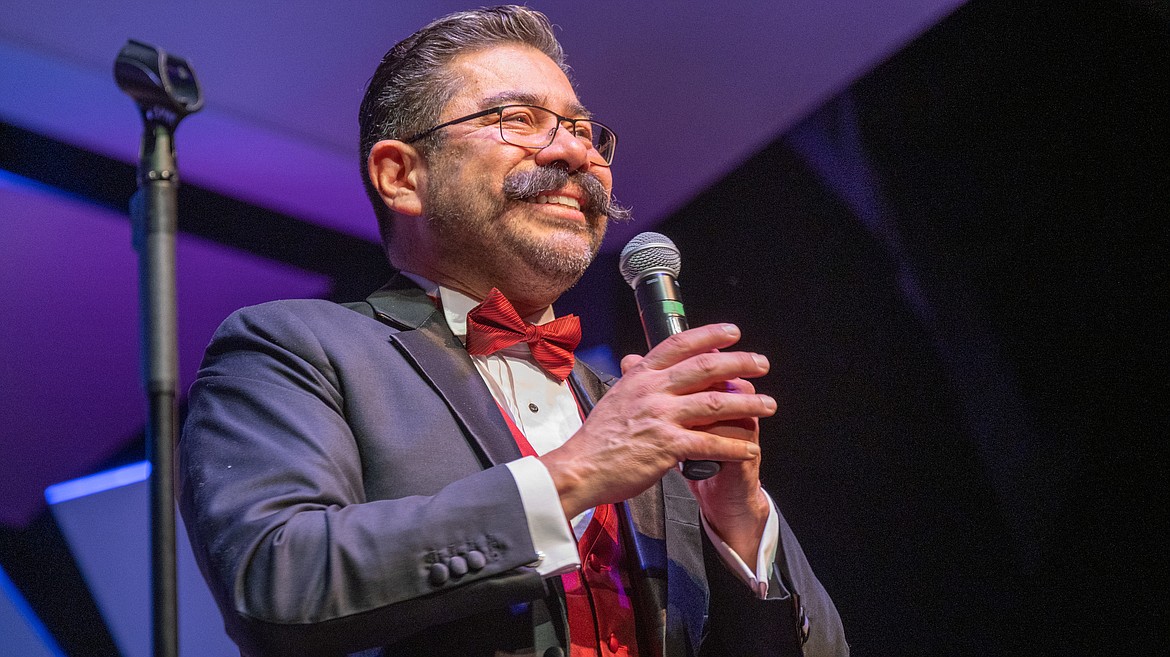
[[576, 109]]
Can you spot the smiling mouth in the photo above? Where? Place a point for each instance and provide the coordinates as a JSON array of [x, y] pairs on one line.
[[556, 199]]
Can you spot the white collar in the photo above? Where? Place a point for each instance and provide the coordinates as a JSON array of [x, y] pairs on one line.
[[456, 305]]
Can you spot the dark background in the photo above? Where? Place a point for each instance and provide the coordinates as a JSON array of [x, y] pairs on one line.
[[958, 269]]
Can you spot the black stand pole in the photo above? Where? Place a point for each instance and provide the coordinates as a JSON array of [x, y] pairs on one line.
[[155, 219], [166, 91]]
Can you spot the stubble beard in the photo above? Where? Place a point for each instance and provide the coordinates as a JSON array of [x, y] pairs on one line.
[[490, 233]]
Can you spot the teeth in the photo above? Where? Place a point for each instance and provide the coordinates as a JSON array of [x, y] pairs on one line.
[[559, 200]]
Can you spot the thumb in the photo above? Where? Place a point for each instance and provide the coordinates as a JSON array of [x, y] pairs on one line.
[[629, 362]]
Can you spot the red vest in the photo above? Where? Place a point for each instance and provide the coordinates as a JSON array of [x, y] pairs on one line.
[[601, 618]]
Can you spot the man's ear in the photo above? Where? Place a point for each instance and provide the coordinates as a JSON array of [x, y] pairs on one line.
[[397, 170]]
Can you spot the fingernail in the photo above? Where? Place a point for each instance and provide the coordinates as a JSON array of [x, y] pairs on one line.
[[730, 329], [753, 450], [769, 403], [761, 361]]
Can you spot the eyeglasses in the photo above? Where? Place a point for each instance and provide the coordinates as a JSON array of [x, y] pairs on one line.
[[532, 126]]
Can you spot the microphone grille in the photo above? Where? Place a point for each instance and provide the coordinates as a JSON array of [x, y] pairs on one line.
[[649, 252]]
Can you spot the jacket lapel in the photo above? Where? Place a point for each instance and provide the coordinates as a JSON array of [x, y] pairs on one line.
[[427, 342], [688, 593]]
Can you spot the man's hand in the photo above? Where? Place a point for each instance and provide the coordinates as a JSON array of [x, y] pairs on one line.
[[668, 407], [732, 501]]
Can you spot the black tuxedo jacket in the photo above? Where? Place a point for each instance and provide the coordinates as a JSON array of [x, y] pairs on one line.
[[341, 479]]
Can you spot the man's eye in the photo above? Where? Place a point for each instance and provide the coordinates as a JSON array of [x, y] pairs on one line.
[[518, 119]]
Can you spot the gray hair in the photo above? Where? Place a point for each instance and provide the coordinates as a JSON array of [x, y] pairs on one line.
[[412, 84]]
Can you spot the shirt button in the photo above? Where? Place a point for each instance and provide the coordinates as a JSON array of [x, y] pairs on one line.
[[533, 407]]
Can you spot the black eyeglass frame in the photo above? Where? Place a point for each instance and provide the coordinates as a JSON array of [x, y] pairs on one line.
[[561, 120]]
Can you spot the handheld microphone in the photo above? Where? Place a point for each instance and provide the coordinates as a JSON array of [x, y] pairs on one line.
[[650, 263]]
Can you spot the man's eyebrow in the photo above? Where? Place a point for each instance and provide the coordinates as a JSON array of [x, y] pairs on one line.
[[576, 110]]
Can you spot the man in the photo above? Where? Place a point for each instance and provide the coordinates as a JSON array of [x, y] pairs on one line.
[[360, 479]]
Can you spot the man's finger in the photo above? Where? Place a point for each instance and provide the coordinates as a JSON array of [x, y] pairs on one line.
[[704, 408], [703, 446], [703, 371], [691, 342]]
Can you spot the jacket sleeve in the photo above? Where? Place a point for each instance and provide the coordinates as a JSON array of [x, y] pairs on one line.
[[272, 489]]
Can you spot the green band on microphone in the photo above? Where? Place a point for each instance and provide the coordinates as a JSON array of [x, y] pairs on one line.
[[673, 308]]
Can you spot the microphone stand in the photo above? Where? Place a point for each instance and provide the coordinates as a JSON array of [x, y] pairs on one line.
[[165, 89]]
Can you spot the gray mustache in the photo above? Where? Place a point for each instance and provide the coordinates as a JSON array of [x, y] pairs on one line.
[[522, 185]]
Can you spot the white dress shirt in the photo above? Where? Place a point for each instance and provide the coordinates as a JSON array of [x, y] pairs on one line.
[[546, 412]]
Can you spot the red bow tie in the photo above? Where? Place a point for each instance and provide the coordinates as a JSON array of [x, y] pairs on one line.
[[495, 324]]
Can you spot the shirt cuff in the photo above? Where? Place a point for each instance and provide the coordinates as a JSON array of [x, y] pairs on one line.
[[552, 538], [769, 541]]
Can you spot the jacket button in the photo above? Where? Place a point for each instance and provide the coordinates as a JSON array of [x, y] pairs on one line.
[[476, 560], [438, 575], [458, 566], [593, 563], [613, 643]]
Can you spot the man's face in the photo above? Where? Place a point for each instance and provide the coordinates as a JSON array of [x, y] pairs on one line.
[[478, 226]]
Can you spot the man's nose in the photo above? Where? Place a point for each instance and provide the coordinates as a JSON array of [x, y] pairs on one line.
[[567, 149]]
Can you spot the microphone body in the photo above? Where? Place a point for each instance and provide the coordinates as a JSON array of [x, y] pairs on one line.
[[660, 306], [650, 263]]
